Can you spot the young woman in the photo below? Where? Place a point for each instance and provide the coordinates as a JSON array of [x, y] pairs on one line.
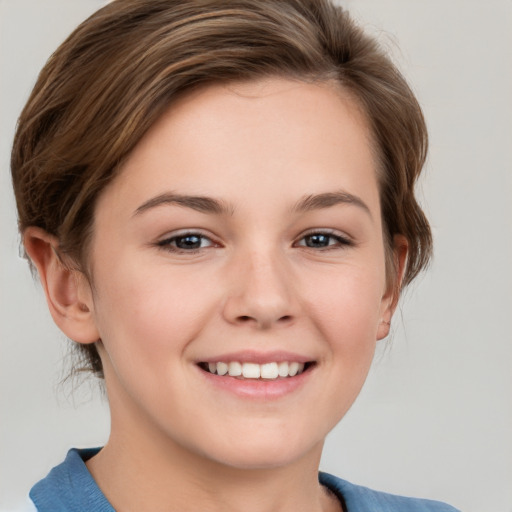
[[218, 197]]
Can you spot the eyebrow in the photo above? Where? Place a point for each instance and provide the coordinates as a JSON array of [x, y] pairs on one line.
[[206, 204], [328, 199], [201, 204]]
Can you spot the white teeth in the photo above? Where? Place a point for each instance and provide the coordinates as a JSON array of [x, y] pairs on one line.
[[235, 369], [293, 368], [283, 369], [222, 368], [251, 370], [269, 371]]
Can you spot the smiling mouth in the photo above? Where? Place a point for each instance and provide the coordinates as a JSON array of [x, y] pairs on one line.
[[266, 371]]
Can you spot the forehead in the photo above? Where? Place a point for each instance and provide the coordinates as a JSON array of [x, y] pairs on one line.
[[231, 138]]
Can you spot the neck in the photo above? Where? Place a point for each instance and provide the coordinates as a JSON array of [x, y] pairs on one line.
[[139, 473]]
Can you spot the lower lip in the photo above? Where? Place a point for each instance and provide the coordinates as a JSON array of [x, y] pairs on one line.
[[258, 388]]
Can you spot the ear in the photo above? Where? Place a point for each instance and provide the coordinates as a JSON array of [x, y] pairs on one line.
[[67, 290], [394, 285]]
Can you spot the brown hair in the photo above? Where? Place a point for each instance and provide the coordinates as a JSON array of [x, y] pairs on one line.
[[120, 69]]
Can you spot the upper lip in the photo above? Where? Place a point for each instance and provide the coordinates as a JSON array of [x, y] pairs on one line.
[[251, 356]]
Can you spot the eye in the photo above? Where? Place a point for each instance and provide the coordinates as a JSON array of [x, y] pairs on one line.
[[186, 242], [323, 240]]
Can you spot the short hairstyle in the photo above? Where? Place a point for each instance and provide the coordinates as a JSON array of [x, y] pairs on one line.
[[119, 71]]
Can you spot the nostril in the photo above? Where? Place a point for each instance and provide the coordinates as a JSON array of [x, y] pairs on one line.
[[263, 321]]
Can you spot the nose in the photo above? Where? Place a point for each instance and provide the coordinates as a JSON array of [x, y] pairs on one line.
[[261, 294]]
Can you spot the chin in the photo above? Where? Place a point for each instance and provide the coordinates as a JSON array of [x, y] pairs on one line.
[[258, 461], [257, 452]]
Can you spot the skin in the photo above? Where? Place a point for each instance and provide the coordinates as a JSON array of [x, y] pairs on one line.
[[179, 442]]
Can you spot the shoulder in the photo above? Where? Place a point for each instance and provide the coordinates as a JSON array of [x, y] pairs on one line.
[[69, 487], [358, 498]]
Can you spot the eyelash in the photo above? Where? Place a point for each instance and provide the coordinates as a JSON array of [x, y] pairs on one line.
[[171, 244], [340, 241]]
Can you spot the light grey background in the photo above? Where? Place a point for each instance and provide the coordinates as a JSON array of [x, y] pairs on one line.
[[435, 417]]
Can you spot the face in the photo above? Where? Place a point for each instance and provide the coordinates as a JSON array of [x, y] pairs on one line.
[[243, 235]]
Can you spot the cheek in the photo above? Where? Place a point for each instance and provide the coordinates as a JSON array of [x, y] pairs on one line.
[[142, 314], [346, 307]]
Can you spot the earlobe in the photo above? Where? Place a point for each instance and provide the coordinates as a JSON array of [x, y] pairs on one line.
[[390, 298], [67, 290]]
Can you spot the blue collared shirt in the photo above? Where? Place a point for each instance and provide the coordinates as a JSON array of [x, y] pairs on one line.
[[69, 487]]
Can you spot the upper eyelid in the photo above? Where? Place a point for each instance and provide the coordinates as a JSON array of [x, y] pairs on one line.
[[186, 232], [325, 231], [170, 237]]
